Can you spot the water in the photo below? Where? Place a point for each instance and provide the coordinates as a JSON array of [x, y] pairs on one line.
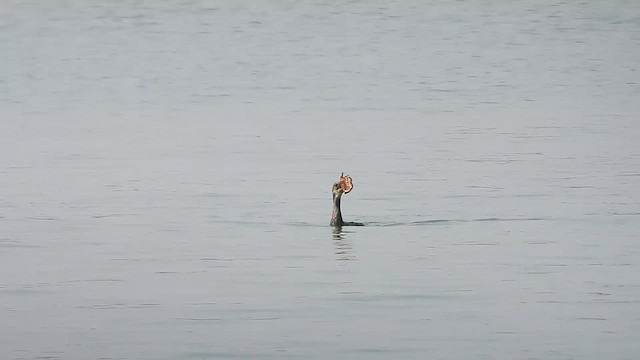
[[166, 171]]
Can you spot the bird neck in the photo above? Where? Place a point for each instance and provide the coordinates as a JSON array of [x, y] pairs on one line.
[[336, 214]]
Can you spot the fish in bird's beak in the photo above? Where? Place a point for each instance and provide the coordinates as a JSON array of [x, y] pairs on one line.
[[346, 183]]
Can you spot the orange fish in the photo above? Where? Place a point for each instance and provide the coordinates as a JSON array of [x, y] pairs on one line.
[[346, 183]]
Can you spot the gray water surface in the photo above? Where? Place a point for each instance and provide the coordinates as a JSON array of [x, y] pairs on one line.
[[165, 176]]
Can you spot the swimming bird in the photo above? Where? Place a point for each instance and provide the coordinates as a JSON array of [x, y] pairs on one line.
[[343, 186]]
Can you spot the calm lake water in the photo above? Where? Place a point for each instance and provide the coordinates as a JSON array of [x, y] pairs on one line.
[[166, 166]]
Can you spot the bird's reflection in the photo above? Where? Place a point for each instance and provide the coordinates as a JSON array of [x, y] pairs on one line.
[[343, 245]]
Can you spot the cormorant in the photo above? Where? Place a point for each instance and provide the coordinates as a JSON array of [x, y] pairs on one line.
[[343, 186]]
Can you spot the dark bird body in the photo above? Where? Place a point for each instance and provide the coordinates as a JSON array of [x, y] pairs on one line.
[[336, 214]]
